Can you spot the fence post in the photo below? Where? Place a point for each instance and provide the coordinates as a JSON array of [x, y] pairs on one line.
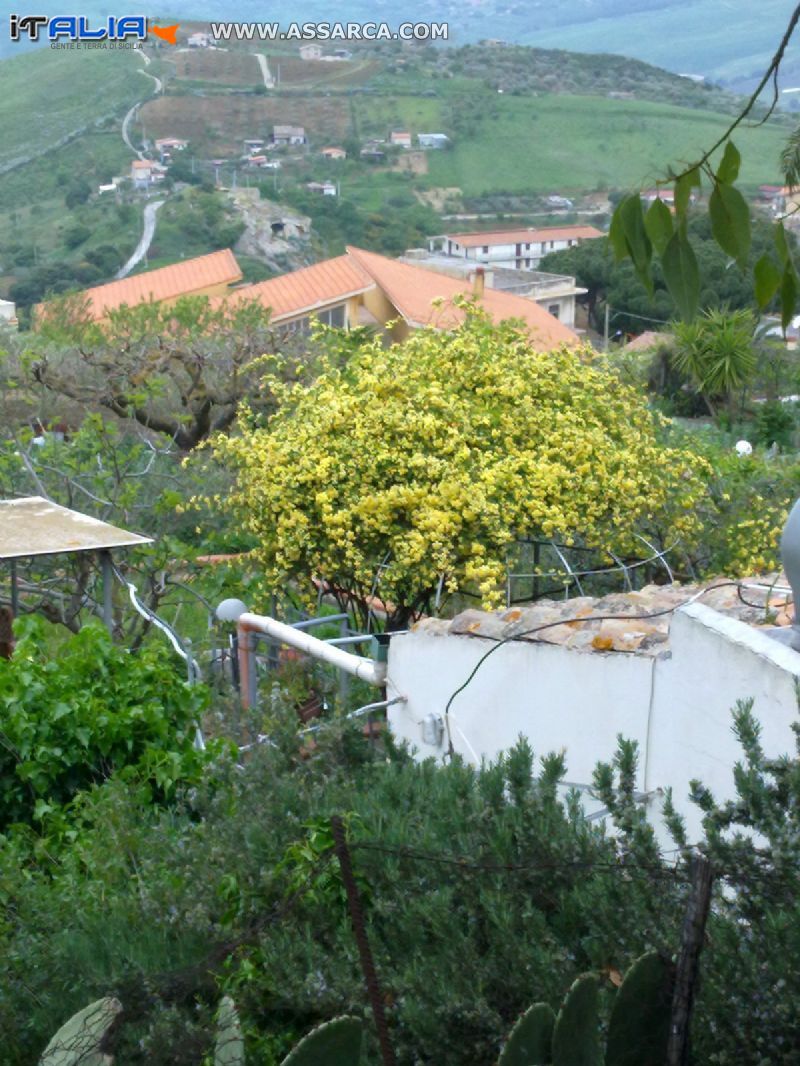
[[694, 926], [360, 931]]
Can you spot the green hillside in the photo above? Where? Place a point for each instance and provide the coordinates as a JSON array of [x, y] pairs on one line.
[[574, 143], [47, 95]]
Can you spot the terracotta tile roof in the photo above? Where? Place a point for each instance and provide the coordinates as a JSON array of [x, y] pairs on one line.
[[166, 283], [307, 289], [413, 289], [525, 236], [647, 340]]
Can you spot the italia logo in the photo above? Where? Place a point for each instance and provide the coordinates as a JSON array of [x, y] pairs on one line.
[[79, 28]]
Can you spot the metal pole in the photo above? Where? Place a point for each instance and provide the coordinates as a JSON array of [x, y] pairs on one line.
[[605, 328], [360, 930], [108, 591]]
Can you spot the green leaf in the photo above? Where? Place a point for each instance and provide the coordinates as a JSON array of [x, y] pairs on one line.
[[683, 191], [728, 169], [789, 293], [616, 235], [335, 1043], [658, 224], [767, 280], [638, 243], [782, 244], [730, 222], [682, 275]]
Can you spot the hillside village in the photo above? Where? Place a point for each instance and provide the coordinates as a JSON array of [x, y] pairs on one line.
[[399, 551]]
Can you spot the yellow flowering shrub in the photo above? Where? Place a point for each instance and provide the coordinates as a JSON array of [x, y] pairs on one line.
[[408, 470]]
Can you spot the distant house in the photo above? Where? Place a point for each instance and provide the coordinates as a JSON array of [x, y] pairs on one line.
[[514, 249], [325, 188], [373, 154], [253, 145], [334, 153], [256, 160], [288, 135], [556, 293], [110, 187], [206, 275], [142, 171], [433, 140], [8, 314], [199, 40], [400, 138], [310, 51], [666, 196], [270, 164], [342, 53], [170, 144]]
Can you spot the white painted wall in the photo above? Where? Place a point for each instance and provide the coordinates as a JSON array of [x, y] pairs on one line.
[[677, 706]]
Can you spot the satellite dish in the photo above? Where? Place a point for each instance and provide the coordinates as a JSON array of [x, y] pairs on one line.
[[230, 610]]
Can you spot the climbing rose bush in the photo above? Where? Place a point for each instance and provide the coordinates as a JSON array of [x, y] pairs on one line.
[[410, 469]]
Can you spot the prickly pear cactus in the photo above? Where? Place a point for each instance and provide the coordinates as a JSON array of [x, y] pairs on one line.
[[229, 1045], [576, 1037], [78, 1041], [638, 1031], [334, 1043], [530, 1042]]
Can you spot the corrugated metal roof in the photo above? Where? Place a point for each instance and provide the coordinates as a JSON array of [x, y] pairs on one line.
[[524, 236], [35, 526]]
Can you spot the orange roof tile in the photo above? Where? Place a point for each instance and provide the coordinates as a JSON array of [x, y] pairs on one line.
[[307, 289], [166, 283], [413, 289], [525, 236]]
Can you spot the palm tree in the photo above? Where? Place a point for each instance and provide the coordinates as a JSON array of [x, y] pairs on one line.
[[717, 353]]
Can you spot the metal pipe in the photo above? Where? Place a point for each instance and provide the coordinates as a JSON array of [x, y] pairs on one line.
[[366, 669]]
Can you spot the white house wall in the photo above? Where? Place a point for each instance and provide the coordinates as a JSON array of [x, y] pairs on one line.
[[676, 705]]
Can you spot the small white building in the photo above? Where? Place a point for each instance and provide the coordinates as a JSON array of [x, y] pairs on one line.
[[142, 171], [333, 152], [292, 135], [324, 188], [8, 314], [433, 140], [199, 40], [512, 249], [400, 138], [310, 51]]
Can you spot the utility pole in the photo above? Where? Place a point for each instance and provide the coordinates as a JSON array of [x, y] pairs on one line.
[[605, 327]]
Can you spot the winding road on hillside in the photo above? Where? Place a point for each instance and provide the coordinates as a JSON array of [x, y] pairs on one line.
[[151, 209], [150, 212]]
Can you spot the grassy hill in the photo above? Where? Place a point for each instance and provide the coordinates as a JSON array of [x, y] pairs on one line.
[[49, 96]]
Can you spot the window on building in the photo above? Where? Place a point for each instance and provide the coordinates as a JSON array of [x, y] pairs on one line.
[[334, 316], [554, 310], [486, 249]]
